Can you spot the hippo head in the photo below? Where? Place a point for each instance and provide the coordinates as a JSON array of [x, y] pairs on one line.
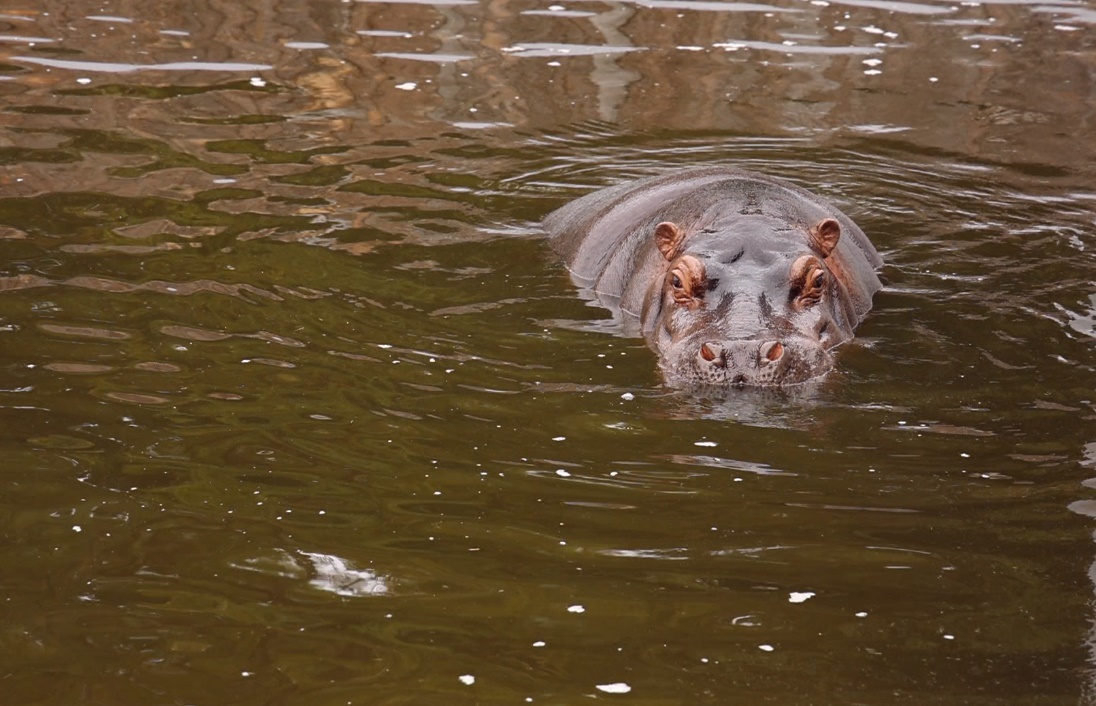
[[751, 300]]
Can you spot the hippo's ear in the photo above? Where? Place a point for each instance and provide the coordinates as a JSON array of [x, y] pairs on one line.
[[669, 237], [824, 236]]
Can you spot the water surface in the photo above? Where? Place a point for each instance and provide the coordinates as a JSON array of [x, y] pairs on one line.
[[297, 407]]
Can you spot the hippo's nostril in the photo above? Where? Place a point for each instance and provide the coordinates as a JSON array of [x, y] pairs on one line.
[[713, 354], [772, 351]]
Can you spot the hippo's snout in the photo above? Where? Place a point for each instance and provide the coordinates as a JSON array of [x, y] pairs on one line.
[[753, 362], [744, 362]]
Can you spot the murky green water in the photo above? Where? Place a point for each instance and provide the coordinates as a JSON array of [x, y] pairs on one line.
[[296, 406]]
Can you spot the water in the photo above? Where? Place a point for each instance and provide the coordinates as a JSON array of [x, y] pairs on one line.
[[297, 407]]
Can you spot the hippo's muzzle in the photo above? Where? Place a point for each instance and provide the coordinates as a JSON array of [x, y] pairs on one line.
[[743, 362]]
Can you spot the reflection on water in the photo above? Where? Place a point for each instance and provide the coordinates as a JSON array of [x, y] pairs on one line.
[[334, 575], [1087, 508], [328, 573], [278, 331], [94, 66]]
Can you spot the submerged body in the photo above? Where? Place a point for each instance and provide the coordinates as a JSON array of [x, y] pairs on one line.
[[734, 278]]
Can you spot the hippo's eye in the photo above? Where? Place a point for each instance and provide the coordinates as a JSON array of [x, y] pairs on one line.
[[685, 282], [807, 283], [680, 287]]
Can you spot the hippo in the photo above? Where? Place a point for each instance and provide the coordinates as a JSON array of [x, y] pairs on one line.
[[734, 278]]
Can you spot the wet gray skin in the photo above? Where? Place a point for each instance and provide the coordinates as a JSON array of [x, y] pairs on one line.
[[734, 278]]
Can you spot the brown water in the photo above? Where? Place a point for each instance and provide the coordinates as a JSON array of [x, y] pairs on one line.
[[296, 407]]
